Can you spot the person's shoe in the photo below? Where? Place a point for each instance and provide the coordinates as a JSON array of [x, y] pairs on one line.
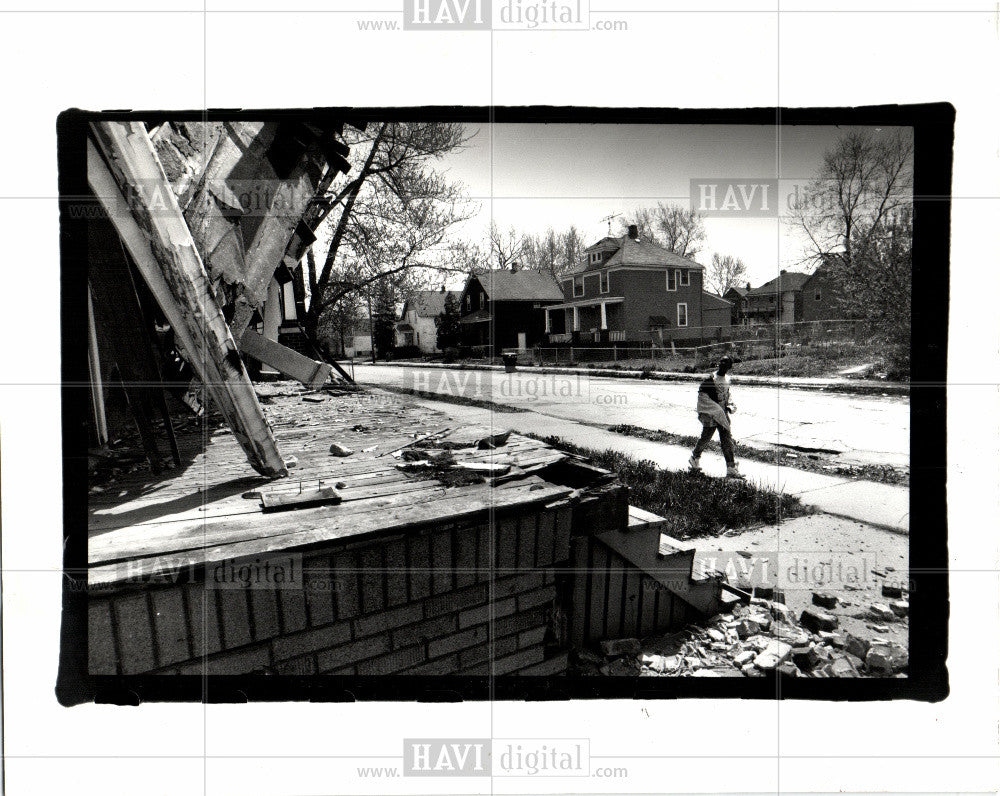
[[694, 465], [733, 472]]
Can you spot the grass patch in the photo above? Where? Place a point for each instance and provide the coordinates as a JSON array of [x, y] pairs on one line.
[[696, 505], [813, 462]]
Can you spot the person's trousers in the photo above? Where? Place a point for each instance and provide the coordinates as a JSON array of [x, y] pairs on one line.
[[725, 440]]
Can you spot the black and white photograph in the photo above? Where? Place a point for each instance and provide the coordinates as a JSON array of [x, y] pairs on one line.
[[500, 396], [374, 396]]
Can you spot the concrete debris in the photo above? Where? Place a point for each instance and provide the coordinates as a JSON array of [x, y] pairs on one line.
[[824, 599], [892, 590], [336, 449], [883, 612], [900, 607], [815, 620], [752, 641]]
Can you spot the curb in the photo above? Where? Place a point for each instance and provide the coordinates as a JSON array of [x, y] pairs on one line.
[[860, 387]]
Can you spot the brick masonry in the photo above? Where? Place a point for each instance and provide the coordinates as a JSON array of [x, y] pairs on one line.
[[427, 603]]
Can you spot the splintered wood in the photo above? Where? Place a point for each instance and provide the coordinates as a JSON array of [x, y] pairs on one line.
[[209, 510]]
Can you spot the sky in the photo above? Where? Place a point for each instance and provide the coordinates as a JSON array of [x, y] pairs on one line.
[[535, 176]]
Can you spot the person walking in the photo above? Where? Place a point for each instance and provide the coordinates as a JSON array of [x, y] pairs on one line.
[[714, 408]]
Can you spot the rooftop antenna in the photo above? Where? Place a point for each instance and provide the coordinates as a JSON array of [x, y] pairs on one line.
[[609, 219]]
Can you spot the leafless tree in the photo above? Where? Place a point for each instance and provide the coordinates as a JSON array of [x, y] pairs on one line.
[[857, 217], [507, 248], [393, 211], [725, 272], [863, 183], [675, 228]]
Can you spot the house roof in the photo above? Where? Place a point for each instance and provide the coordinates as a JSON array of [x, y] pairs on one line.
[[520, 286], [714, 302], [635, 252], [428, 303], [739, 291], [790, 280]]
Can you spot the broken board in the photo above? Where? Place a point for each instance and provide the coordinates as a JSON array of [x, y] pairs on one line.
[[306, 499]]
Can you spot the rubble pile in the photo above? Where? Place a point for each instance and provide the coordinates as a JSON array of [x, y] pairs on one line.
[[759, 638]]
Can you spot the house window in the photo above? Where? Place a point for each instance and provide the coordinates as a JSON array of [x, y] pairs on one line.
[[578, 286], [682, 314], [671, 279], [596, 257], [685, 277], [468, 303], [605, 282], [819, 294]]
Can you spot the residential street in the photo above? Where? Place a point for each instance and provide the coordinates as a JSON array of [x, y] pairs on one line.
[[861, 429]]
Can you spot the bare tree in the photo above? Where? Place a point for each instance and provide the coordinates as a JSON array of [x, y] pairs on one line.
[[506, 248], [725, 272], [394, 211], [675, 228], [857, 217], [863, 182]]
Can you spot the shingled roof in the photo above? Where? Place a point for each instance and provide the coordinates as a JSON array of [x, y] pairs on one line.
[[789, 280], [428, 303], [520, 286], [635, 252]]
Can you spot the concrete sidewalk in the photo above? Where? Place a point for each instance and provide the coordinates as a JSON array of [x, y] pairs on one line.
[[882, 505], [847, 386]]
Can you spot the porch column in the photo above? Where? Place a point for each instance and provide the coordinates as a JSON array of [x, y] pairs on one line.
[[604, 315], [548, 322], [576, 319]]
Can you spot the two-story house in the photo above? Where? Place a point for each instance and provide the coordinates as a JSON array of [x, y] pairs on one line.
[[418, 321], [503, 309], [738, 297], [632, 290], [777, 301]]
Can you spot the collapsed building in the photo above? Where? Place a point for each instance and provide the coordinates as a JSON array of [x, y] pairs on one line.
[[403, 546]]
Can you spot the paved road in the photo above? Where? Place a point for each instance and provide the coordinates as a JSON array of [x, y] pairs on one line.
[[866, 429]]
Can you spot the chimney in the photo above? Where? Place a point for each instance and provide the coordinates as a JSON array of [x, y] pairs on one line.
[[442, 288], [783, 272], [748, 286], [513, 267], [633, 231]]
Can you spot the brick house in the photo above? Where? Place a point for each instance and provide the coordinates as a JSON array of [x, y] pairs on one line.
[[502, 309], [632, 290], [418, 321], [778, 301], [821, 297]]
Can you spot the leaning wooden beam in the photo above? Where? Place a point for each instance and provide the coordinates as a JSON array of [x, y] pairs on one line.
[[291, 363], [156, 235], [267, 250]]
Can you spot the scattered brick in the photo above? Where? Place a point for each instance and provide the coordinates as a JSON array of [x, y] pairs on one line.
[[815, 620]]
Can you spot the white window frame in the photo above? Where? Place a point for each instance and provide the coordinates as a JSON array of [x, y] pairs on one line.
[[685, 306], [674, 272], [604, 277], [684, 280], [583, 289]]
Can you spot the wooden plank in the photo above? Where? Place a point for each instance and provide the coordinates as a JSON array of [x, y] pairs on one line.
[[597, 601], [307, 499], [320, 526], [291, 363], [580, 573], [164, 252], [631, 604], [616, 582]]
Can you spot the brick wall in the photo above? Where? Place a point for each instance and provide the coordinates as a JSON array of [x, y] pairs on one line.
[[428, 602]]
